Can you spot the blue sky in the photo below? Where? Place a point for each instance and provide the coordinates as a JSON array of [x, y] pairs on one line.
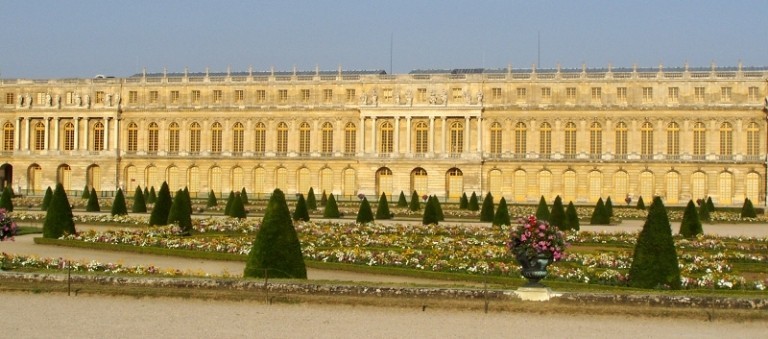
[[56, 39]]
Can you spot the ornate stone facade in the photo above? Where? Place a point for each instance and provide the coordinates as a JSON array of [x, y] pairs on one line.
[[582, 134]]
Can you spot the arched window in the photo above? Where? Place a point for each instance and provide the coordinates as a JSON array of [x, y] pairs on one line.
[[326, 180], [595, 140], [646, 185], [725, 188], [304, 138], [214, 179], [282, 138], [98, 136], [457, 137], [454, 183], [570, 140], [646, 140], [752, 189], [194, 138], [327, 139], [595, 186], [173, 138], [726, 140], [39, 136], [753, 140], [152, 137], [569, 186], [236, 179], [193, 179], [621, 140], [699, 141], [303, 180], [8, 135], [698, 185], [419, 181], [521, 137], [545, 140], [216, 131], [496, 138], [495, 183], [260, 136], [620, 184], [259, 180], [673, 140], [384, 181], [520, 185], [133, 137], [350, 139], [386, 143], [545, 184], [673, 187], [422, 137], [238, 137], [69, 136]]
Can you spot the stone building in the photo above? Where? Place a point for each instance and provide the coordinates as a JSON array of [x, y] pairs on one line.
[[582, 134]]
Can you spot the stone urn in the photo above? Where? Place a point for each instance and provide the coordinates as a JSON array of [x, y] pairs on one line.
[[534, 268]]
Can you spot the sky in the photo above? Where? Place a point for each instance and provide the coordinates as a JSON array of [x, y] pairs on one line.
[[61, 39]]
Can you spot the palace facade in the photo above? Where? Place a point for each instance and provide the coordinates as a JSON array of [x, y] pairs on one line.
[[582, 134]]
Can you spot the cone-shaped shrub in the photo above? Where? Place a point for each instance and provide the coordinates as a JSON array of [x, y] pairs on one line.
[[176, 207], [609, 207], [6, 200], [402, 202], [463, 202], [212, 201], [654, 262], [473, 203], [364, 213], [185, 213], [146, 194], [244, 196], [704, 213], [502, 214], [311, 200], [86, 193], [323, 199], [557, 215], [47, 199], [710, 205], [331, 208], [486, 214], [238, 208], [58, 218], [571, 218], [542, 211], [139, 205], [230, 201], [640, 203], [93, 202], [430, 213], [118, 204], [153, 195], [415, 205], [438, 208], [600, 215], [162, 208], [382, 209], [276, 251], [301, 213], [690, 226], [748, 211]]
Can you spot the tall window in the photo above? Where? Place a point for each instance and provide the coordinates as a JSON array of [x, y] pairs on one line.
[[647, 95], [260, 136], [69, 136], [282, 138], [305, 95], [238, 136], [725, 94], [239, 95], [597, 95], [545, 140], [570, 93], [327, 95], [194, 138], [646, 140], [350, 95], [673, 93], [133, 97], [282, 95], [175, 97], [152, 137], [195, 96], [496, 138], [521, 136], [217, 96], [595, 140], [350, 138], [304, 138], [546, 93], [621, 95], [133, 137], [8, 134], [98, 136], [153, 97], [754, 93], [673, 139], [570, 140], [327, 138], [621, 140], [457, 137], [173, 138], [753, 139], [422, 137], [216, 130], [699, 140], [726, 140], [387, 136], [698, 94], [261, 95]]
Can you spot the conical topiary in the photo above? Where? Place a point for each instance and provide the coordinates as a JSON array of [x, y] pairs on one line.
[[690, 226], [58, 218], [542, 211], [364, 213], [502, 214], [6, 199], [331, 208], [710, 205], [609, 207], [47, 199], [640, 203], [323, 199], [93, 202], [118, 204], [486, 214], [430, 213], [139, 205], [415, 205], [176, 207], [748, 211], [301, 213], [238, 208], [185, 213], [599, 214], [704, 213], [438, 208], [230, 201], [86, 193], [162, 208], [382, 209], [146, 194], [402, 202], [153, 195], [276, 250], [464, 201], [212, 201], [311, 200], [244, 196], [654, 262], [473, 203], [571, 218], [557, 214]]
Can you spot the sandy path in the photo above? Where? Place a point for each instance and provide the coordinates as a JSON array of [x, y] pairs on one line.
[[124, 317]]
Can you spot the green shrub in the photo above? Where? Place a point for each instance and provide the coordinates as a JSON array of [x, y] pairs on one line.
[[185, 214], [238, 208], [162, 208], [690, 226], [311, 200], [473, 203], [93, 202], [230, 201], [557, 215], [464, 201], [502, 214], [323, 199], [430, 215], [244, 197], [382, 209], [301, 213], [542, 211], [748, 211], [599, 214], [609, 207], [47, 199], [146, 194], [58, 218], [118, 204], [704, 213], [487, 214], [86, 193], [153, 196], [139, 205], [364, 213], [176, 208], [331, 208], [710, 205], [276, 250], [402, 202], [438, 208], [6, 200], [415, 205], [212, 201], [654, 262], [571, 218], [640, 203]]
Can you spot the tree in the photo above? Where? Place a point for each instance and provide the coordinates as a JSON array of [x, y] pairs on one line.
[[230, 201], [176, 207], [47, 199], [146, 194], [654, 262], [185, 214], [276, 250], [244, 196], [542, 211], [382, 210], [502, 214], [323, 199], [748, 211], [557, 215], [139, 205], [118, 204], [301, 213], [311, 200], [640, 203], [402, 202], [6, 200], [331, 209], [438, 208], [690, 226], [58, 218], [86, 193], [609, 207], [571, 218], [93, 202], [704, 213], [415, 205], [212, 201], [473, 204], [238, 208], [430, 213], [486, 214], [364, 213], [464, 201], [710, 205], [599, 214], [162, 208], [152, 195]]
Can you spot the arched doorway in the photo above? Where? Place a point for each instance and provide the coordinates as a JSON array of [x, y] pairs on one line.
[[454, 183], [419, 181], [384, 181], [64, 176], [93, 179], [6, 176], [35, 178]]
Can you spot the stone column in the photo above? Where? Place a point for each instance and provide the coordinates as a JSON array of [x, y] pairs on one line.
[[466, 135], [76, 122], [26, 134], [397, 136], [86, 132], [47, 137], [443, 136], [361, 137], [408, 136], [373, 134], [480, 135], [106, 133], [56, 138], [17, 139], [431, 135]]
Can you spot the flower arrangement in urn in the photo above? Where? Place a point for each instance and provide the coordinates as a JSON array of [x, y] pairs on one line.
[[7, 226], [535, 244]]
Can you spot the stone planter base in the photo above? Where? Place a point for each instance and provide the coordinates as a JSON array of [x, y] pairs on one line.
[[535, 293]]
